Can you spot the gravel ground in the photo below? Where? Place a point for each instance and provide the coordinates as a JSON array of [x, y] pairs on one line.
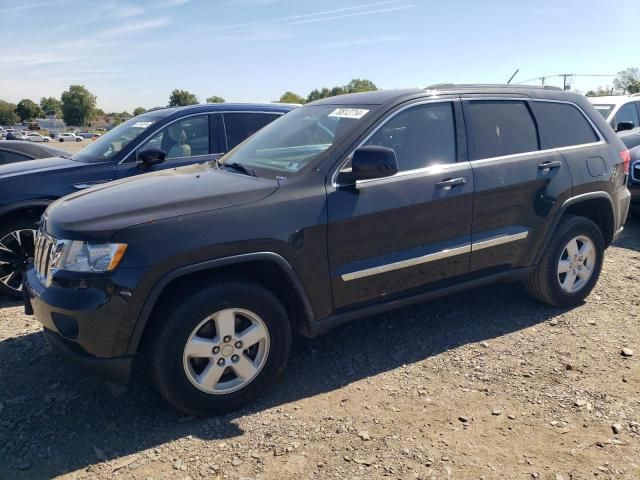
[[71, 147], [486, 384]]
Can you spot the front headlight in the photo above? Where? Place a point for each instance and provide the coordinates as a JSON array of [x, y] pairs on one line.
[[78, 256]]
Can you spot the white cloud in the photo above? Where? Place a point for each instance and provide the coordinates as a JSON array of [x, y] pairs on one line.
[[127, 11], [362, 41], [136, 26], [170, 3], [354, 14], [17, 8]]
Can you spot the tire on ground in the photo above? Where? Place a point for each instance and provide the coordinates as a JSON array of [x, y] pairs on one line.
[[167, 343], [544, 283]]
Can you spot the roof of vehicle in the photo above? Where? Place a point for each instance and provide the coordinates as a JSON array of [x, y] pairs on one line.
[[217, 107], [382, 96], [32, 149]]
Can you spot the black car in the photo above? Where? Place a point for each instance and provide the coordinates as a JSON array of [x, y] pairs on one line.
[[634, 181], [345, 207], [12, 151], [157, 140]]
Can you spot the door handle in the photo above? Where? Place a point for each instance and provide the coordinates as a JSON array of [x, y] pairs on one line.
[[449, 183], [550, 165]]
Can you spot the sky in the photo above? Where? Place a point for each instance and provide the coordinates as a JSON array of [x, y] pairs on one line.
[[133, 54]]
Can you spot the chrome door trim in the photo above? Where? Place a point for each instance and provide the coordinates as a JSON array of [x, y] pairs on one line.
[[499, 240], [432, 257], [222, 112], [411, 262]]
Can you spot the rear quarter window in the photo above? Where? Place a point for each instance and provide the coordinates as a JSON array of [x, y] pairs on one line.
[[501, 127], [12, 157], [240, 126], [562, 125]]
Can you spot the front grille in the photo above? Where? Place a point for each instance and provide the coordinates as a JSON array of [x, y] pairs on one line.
[[635, 171], [42, 257]]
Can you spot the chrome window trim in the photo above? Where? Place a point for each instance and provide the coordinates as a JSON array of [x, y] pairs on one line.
[[382, 124], [601, 140], [430, 170], [279, 114]]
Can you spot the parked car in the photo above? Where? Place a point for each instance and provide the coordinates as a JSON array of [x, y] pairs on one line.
[[67, 137], [36, 137], [12, 151], [86, 134], [623, 114], [161, 139], [16, 135], [634, 181], [345, 207]]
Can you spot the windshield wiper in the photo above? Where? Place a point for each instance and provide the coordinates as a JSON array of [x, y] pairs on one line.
[[240, 168]]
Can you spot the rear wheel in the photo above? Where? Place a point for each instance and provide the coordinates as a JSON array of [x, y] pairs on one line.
[[17, 240], [570, 266], [220, 348], [61, 140]]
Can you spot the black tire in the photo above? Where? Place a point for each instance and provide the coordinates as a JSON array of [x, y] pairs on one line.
[[544, 284], [6, 227], [78, 139], [46, 140], [61, 140], [167, 343]]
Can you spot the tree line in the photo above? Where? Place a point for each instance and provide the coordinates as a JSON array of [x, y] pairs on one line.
[[77, 105]]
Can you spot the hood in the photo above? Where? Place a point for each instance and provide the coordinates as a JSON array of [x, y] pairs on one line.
[[99, 212], [38, 165]]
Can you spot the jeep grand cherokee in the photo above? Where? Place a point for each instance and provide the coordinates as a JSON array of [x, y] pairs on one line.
[[342, 208]]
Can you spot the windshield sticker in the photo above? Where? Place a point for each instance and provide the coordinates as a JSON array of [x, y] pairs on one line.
[[355, 113], [141, 124]]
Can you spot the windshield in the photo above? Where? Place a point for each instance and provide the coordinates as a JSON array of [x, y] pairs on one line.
[[109, 144], [604, 109], [292, 142]]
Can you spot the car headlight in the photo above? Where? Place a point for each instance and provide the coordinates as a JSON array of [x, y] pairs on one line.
[[79, 256]]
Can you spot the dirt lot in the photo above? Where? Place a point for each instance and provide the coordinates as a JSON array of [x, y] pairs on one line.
[[488, 384], [72, 147]]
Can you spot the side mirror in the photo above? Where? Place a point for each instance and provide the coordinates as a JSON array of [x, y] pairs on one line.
[[370, 162], [623, 126], [150, 157]]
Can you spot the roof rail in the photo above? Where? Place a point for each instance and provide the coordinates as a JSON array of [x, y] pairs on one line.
[[443, 86]]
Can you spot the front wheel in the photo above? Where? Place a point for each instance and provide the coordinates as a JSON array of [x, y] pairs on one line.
[[78, 139], [61, 140], [17, 242], [46, 140], [220, 348], [570, 266]]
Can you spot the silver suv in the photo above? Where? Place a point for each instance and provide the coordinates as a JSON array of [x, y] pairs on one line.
[[623, 114]]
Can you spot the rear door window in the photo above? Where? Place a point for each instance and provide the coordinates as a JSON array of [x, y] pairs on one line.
[[239, 126], [562, 125], [500, 127]]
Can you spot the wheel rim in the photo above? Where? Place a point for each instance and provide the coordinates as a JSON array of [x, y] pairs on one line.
[[226, 351], [576, 264], [16, 251]]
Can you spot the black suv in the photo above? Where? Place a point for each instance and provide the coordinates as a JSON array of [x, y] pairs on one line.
[[342, 208], [156, 140]]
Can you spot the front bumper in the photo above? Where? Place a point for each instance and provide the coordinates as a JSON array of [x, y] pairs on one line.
[[87, 325]]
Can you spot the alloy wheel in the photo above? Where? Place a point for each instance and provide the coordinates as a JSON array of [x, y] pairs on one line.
[[16, 251], [576, 264], [226, 351]]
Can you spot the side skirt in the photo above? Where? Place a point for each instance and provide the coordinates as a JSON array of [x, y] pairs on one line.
[[322, 326]]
